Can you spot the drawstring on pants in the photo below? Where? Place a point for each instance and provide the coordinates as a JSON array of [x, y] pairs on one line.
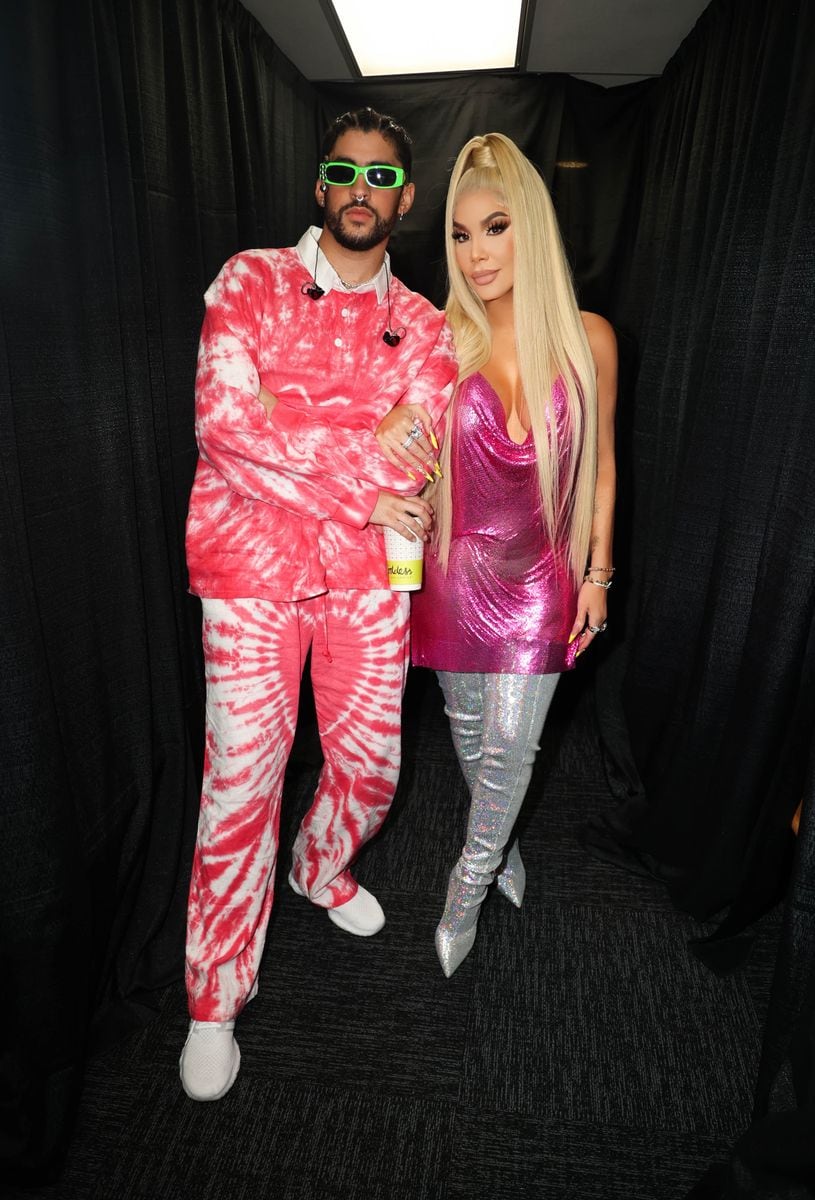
[[326, 652]]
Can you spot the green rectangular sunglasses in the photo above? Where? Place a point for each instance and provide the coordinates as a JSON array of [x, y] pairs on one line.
[[345, 174]]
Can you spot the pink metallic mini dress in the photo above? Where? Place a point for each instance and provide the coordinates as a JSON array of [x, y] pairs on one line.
[[507, 602]]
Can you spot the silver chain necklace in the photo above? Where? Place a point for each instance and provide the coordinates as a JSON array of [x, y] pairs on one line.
[[353, 286]]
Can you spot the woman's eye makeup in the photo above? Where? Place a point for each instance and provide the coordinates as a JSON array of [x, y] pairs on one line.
[[494, 229]]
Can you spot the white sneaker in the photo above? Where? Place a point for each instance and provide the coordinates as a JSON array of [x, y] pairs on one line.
[[210, 1060], [361, 915]]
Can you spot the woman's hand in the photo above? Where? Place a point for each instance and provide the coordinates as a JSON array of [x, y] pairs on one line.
[[408, 515], [592, 612], [407, 440]]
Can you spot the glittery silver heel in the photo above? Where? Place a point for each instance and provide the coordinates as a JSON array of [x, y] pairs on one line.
[[456, 931], [511, 879]]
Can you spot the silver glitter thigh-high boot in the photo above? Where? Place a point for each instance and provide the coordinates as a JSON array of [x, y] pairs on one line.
[[511, 710], [464, 709]]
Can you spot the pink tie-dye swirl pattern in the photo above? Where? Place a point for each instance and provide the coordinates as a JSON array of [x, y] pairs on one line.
[[255, 653]]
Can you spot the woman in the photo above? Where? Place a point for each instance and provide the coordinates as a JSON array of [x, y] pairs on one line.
[[516, 583]]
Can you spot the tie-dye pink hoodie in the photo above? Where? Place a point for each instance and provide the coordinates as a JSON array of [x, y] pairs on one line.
[[280, 505]]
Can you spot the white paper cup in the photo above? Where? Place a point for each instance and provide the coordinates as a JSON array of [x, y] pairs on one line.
[[404, 561]]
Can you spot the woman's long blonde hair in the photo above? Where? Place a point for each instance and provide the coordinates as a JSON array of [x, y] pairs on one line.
[[550, 339]]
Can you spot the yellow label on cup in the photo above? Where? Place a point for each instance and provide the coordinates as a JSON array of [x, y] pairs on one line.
[[405, 575], [403, 558]]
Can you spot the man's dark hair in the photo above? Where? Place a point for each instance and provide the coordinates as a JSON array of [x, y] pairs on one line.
[[368, 120]]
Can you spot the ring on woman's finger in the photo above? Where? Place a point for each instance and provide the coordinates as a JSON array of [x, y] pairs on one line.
[[598, 628], [414, 433]]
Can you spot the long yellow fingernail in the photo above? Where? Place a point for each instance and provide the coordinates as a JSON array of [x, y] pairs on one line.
[[410, 475], [572, 636], [427, 475], [433, 441], [437, 469]]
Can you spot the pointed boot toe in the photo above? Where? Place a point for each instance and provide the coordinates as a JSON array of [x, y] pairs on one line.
[[511, 880], [452, 948]]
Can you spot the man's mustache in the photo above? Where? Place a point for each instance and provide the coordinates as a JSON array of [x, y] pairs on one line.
[[357, 204]]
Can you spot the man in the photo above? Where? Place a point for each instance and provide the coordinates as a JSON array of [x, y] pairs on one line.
[[304, 352]]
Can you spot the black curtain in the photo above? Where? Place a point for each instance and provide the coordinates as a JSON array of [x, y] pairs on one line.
[[142, 144], [705, 694], [719, 516], [775, 1157]]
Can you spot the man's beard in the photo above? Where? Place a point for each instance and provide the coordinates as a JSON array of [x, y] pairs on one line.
[[379, 232]]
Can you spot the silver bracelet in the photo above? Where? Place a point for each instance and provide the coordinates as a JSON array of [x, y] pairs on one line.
[[605, 584]]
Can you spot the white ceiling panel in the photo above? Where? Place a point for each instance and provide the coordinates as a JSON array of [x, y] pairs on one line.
[[608, 41], [466, 36]]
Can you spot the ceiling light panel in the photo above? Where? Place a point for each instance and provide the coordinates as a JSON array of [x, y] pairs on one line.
[[431, 35]]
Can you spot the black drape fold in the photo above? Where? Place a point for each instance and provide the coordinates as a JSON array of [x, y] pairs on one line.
[[720, 598], [142, 145], [775, 1157], [711, 744]]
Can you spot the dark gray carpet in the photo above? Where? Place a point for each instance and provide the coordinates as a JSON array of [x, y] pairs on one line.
[[580, 1053]]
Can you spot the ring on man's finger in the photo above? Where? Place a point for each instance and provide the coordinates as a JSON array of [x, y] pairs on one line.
[[598, 628]]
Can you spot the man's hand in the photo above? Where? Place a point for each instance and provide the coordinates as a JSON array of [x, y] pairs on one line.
[[408, 515], [268, 401], [407, 440]]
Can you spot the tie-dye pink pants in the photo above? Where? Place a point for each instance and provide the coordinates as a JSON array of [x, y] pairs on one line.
[[255, 651]]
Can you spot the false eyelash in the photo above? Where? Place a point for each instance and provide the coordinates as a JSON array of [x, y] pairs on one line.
[[498, 227]]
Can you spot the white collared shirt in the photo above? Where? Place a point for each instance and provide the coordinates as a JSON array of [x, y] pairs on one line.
[[324, 275]]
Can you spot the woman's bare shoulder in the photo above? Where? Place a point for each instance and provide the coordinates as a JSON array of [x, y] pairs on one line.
[[598, 328], [602, 341]]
